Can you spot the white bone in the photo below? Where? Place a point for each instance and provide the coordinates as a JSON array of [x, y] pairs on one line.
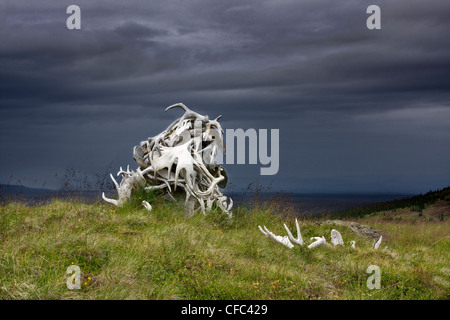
[[336, 238], [320, 241], [282, 240], [115, 182], [377, 244], [114, 202], [175, 158], [299, 239], [147, 205]]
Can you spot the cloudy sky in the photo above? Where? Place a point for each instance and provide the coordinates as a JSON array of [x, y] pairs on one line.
[[358, 110]]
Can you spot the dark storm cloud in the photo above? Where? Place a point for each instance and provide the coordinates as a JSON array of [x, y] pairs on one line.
[[340, 93]]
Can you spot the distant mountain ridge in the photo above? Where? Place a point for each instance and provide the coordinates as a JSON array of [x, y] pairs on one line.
[[16, 189], [34, 195]]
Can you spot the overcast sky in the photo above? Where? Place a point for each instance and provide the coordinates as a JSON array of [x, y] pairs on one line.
[[358, 110]]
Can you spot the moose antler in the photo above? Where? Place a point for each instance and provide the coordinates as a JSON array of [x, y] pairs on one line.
[[299, 239], [182, 156], [336, 238], [320, 241], [283, 240], [377, 244]]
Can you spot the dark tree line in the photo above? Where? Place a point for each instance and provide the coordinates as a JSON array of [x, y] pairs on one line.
[[416, 203]]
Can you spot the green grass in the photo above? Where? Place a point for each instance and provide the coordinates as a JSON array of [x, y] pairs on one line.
[[130, 253]]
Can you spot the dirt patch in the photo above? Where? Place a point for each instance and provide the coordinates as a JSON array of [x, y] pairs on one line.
[[438, 209], [398, 212]]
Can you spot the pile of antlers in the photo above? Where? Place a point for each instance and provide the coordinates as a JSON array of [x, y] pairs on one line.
[[182, 156], [336, 238]]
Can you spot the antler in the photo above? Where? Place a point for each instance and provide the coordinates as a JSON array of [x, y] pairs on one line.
[[320, 241], [147, 205], [283, 240], [112, 201], [188, 113], [336, 238], [176, 158], [299, 239], [376, 245], [130, 181]]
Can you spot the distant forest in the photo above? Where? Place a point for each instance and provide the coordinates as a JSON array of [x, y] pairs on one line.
[[415, 203]]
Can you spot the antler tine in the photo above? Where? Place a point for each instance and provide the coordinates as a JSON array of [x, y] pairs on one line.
[[282, 240], [376, 245], [230, 205], [114, 180], [299, 239], [181, 105], [320, 241], [147, 205], [112, 201], [263, 232]]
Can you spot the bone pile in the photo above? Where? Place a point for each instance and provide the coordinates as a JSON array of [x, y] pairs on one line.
[[336, 238], [182, 157]]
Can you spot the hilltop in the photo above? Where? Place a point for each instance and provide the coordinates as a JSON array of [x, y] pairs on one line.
[[130, 253]]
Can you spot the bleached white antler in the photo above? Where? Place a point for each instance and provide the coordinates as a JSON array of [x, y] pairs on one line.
[[112, 201], [320, 241], [130, 181], [336, 238], [182, 156], [147, 205], [377, 244], [299, 239], [282, 240]]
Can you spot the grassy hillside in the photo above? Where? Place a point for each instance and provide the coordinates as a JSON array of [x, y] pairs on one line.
[[130, 253]]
